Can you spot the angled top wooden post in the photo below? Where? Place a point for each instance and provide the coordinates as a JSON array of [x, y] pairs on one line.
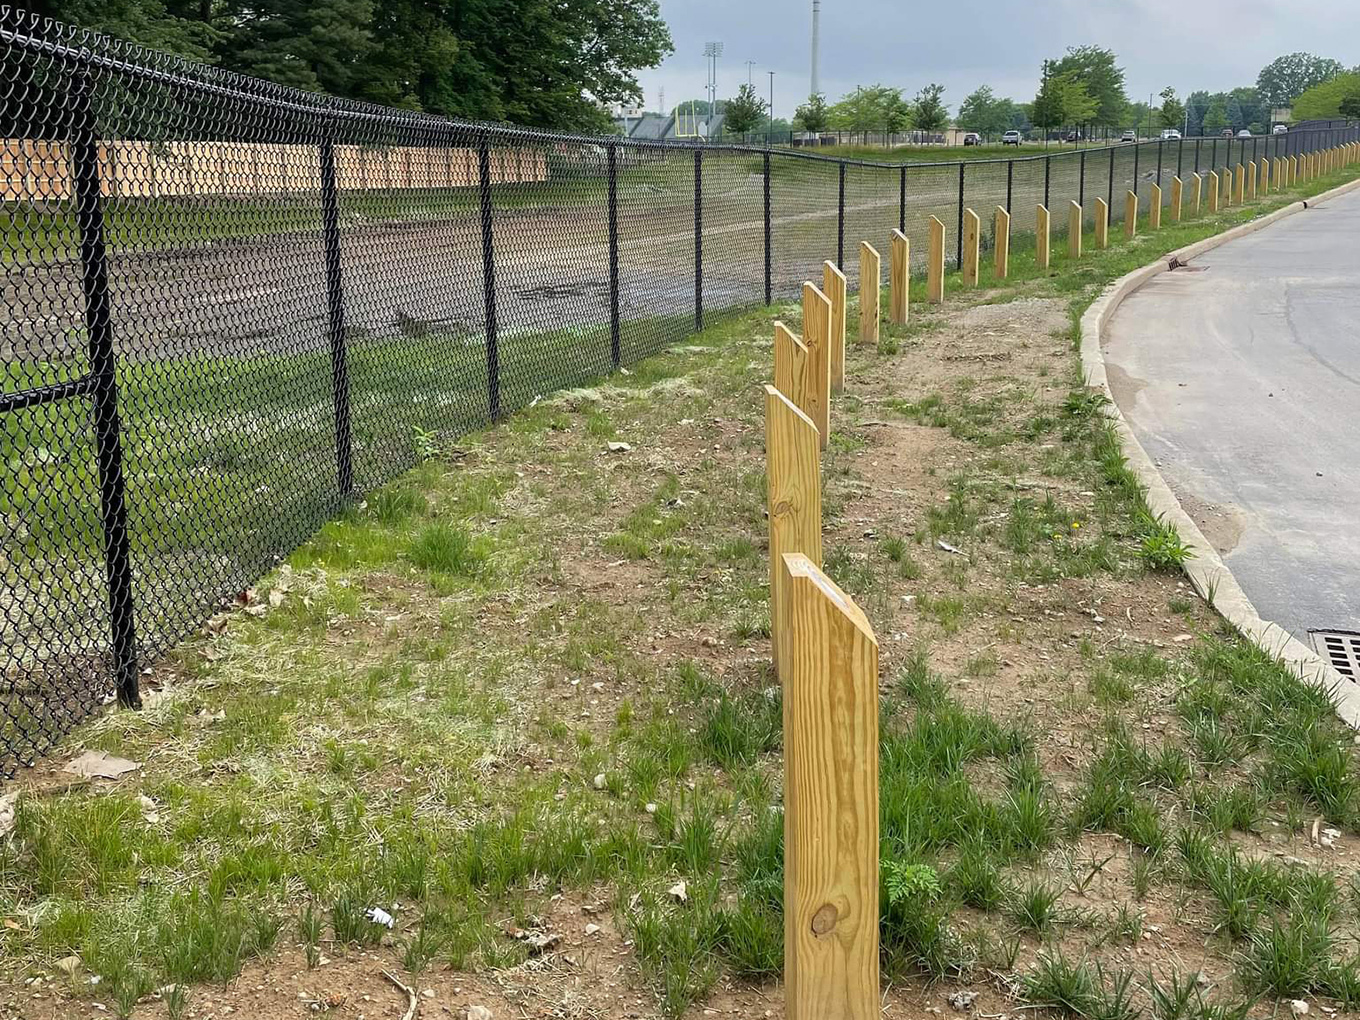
[[830, 660], [870, 273], [1041, 237], [972, 241], [1196, 193], [791, 368], [1154, 207], [793, 475], [935, 262], [899, 278], [833, 286], [1252, 177], [1177, 197], [1001, 243], [1075, 225], [1130, 214], [1213, 191], [1102, 224], [816, 335]]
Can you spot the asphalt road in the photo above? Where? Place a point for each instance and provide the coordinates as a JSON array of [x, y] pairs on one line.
[[1241, 377]]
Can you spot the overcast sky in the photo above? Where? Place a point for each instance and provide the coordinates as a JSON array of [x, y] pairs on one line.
[[1188, 44]]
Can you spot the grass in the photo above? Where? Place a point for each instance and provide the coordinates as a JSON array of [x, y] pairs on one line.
[[422, 714]]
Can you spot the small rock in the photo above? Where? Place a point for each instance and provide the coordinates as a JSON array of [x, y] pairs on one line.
[[592, 929], [1180, 639], [69, 965], [650, 808], [619, 447], [428, 993], [1298, 1007], [678, 892], [1202, 980], [599, 781], [962, 1002], [478, 1013]]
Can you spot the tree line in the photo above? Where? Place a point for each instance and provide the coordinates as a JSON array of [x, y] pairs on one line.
[[540, 63]]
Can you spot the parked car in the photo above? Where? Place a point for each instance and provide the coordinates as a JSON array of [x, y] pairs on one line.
[[1280, 129], [1226, 133], [1244, 133], [1074, 136], [972, 138], [1012, 138], [1170, 135], [1129, 136]]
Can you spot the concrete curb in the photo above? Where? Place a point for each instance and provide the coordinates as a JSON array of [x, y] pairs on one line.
[[1205, 568]]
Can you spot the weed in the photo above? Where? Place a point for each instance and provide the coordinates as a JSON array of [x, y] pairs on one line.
[[1160, 545], [309, 929], [447, 549], [735, 731], [1035, 906], [1283, 958]]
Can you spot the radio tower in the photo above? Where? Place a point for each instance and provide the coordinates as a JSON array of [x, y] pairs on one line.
[[816, 44]]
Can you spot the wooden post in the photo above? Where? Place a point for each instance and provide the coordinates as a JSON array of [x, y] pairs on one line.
[[1154, 207], [1130, 214], [1074, 229], [1001, 247], [1293, 170], [899, 278], [1102, 224], [870, 272], [1213, 191], [1041, 237], [1264, 184], [972, 240], [817, 337], [935, 262], [1177, 198], [833, 286], [1225, 200], [831, 879], [1275, 171], [1197, 198], [791, 368], [1239, 185], [793, 475], [1253, 179]]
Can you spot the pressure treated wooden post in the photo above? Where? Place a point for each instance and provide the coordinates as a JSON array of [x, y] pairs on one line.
[[1177, 198], [1213, 191], [1197, 197], [831, 880], [817, 337], [870, 272], [1102, 224], [1130, 214], [1293, 170], [1154, 207], [1263, 185], [833, 286], [1041, 236], [1276, 169], [1251, 180], [899, 278], [1074, 229], [972, 240], [1239, 185], [935, 262], [791, 368], [793, 476], [1001, 247]]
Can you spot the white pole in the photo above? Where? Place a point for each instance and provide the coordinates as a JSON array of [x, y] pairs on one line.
[[816, 44]]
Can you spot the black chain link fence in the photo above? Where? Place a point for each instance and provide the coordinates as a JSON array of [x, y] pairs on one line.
[[231, 307]]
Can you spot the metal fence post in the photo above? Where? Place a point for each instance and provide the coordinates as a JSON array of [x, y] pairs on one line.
[[493, 354], [1048, 166], [959, 262], [840, 220], [335, 303], [1081, 183], [698, 239], [1180, 155], [769, 251], [1010, 183], [1160, 143], [902, 199], [94, 278], [615, 352], [1137, 151], [1109, 198], [1198, 143]]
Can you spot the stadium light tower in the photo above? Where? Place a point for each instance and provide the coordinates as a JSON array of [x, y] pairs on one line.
[[816, 45], [712, 51]]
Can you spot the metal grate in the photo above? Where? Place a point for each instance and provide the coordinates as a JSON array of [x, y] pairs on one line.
[[1341, 648]]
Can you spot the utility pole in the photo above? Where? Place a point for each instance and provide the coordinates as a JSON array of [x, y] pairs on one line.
[[816, 45], [749, 64]]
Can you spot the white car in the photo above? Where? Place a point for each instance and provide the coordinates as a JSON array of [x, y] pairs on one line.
[[1170, 135], [1012, 138], [1244, 133], [1129, 136], [1280, 129]]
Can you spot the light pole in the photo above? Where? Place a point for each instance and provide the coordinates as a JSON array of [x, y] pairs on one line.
[[749, 64], [712, 51], [770, 140]]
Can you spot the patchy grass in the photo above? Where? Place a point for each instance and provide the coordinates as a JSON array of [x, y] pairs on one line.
[[527, 686]]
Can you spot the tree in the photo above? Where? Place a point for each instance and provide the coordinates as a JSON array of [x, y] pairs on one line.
[[984, 113], [812, 116], [1063, 99], [1216, 117], [1097, 70], [744, 112], [872, 108], [1325, 99], [1172, 112], [1195, 108], [552, 63], [1047, 109], [1253, 111], [1350, 104], [1286, 78], [928, 112]]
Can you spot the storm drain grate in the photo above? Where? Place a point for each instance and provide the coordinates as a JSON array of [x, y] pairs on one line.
[[1341, 648]]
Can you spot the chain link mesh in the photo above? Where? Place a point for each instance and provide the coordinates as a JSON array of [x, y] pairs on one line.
[[231, 308]]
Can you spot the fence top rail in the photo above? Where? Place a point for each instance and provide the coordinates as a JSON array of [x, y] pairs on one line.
[[83, 48]]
